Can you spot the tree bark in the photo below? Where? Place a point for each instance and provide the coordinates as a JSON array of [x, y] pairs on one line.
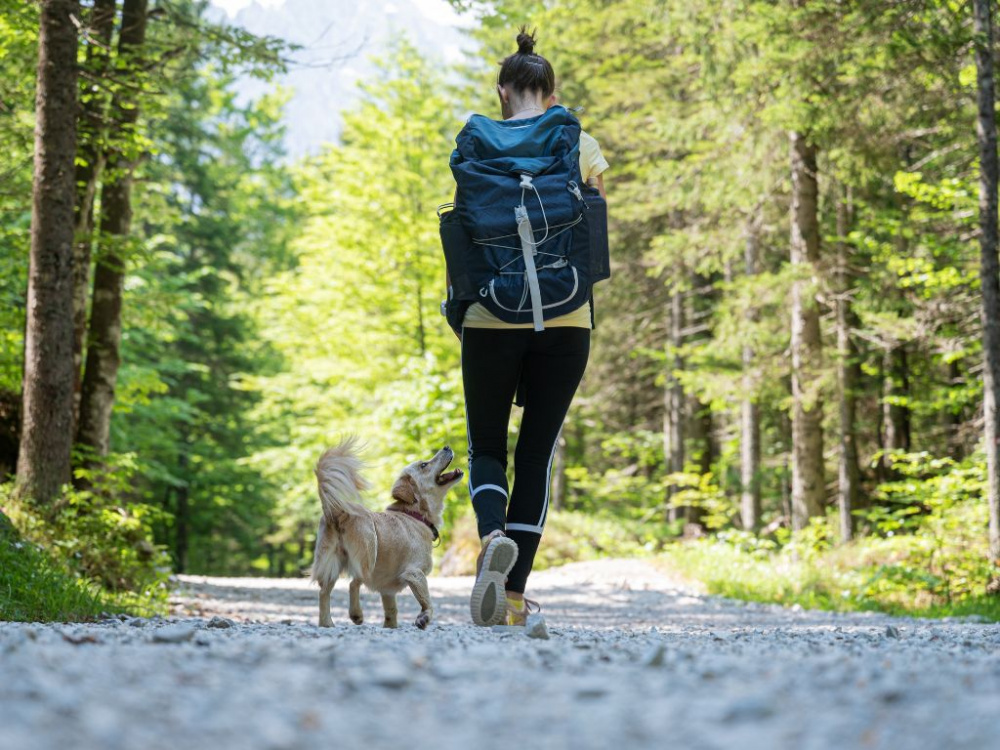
[[986, 131], [807, 402], [703, 440], [673, 418], [89, 164], [848, 474], [104, 341], [46, 438], [896, 416], [750, 409]]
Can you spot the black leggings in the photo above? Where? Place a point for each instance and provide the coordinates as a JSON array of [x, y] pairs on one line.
[[551, 364]]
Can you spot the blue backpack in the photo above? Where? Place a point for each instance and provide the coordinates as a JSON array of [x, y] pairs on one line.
[[526, 237]]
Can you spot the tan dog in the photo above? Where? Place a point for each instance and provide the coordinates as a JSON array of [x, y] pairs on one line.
[[385, 551]]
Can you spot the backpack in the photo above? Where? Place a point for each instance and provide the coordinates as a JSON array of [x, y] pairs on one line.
[[525, 236]]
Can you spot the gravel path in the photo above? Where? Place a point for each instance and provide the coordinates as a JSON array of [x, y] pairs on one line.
[[634, 660]]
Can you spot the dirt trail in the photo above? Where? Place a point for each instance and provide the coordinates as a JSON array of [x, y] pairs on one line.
[[634, 660]]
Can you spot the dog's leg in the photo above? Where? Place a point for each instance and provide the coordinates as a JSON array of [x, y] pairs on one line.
[[325, 589], [391, 612], [417, 582], [357, 617]]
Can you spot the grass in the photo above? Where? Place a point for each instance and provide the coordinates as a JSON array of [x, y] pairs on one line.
[[867, 576], [35, 589]]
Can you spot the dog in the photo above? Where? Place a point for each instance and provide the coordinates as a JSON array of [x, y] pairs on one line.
[[386, 551]]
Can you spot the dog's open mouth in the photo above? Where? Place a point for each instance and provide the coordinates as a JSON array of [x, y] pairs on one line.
[[447, 477]]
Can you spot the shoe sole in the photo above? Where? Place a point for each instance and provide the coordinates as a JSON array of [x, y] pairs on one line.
[[488, 604]]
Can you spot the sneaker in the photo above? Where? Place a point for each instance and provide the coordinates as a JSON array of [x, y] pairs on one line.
[[519, 609], [488, 603]]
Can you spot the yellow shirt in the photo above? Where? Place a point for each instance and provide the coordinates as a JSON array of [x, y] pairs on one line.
[[592, 163]]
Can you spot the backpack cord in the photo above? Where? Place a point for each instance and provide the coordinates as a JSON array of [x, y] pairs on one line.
[[528, 250]]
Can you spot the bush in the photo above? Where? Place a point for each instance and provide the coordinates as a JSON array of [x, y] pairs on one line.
[[100, 536], [33, 588], [927, 554]]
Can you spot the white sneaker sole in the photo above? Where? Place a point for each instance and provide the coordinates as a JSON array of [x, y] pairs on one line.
[[488, 604]]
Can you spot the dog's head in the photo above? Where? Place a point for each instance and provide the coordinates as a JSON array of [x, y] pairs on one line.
[[423, 484]]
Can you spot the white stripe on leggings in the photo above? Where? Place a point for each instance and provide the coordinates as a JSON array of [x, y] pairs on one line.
[[548, 480], [524, 527], [482, 487]]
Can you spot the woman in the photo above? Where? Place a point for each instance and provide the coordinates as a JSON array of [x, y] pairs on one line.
[[496, 357]]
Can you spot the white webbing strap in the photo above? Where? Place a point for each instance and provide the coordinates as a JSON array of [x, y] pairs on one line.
[[528, 250]]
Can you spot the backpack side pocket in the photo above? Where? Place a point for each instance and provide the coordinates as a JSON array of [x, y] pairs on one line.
[[458, 250], [595, 216]]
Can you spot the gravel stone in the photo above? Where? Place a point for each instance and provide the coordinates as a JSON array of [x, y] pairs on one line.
[[173, 634], [633, 657], [534, 627]]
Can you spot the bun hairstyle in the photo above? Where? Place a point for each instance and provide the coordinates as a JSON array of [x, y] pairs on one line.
[[525, 70], [525, 42]]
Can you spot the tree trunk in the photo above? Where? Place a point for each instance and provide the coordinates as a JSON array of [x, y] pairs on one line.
[[47, 438], [986, 131], [673, 427], [181, 518], [703, 439], [750, 409], [104, 341], [89, 164], [807, 403], [896, 385], [848, 474]]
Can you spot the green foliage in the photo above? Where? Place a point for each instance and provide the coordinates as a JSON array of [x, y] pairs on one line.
[[928, 555], [102, 536], [33, 588]]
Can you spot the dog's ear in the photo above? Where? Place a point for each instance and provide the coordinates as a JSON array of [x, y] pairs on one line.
[[405, 490]]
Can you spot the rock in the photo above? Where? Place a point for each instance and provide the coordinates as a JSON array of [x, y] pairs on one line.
[[220, 622], [655, 657], [748, 709], [891, 631], [591, 691], [535, 627], [173, 634], [392, 676]]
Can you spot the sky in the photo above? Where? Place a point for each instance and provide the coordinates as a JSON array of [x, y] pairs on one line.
[[321, 85], [438, 10]]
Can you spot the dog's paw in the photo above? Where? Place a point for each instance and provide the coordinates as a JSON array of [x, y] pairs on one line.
[[328, 623], [423, 620], [357, 618], [390, 624]]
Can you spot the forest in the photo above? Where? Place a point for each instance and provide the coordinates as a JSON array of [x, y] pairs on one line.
[[792, 390]]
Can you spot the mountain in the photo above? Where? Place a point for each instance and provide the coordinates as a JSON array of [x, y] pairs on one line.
[[338, 40]]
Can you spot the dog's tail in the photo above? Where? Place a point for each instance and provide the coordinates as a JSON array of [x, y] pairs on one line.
[[338, 473]]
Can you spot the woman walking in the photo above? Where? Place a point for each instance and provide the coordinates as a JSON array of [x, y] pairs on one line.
[[544, 366]]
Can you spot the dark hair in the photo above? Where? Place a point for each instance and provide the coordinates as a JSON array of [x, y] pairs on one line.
[[525, 70]]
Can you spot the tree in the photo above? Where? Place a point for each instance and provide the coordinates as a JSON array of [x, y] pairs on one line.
[[105, 328], [807, 403], [44, 458], [90, 163], [749, 408], [986, 131], [848, 473]]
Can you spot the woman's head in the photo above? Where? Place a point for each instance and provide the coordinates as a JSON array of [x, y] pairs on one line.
[[525, 77]]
